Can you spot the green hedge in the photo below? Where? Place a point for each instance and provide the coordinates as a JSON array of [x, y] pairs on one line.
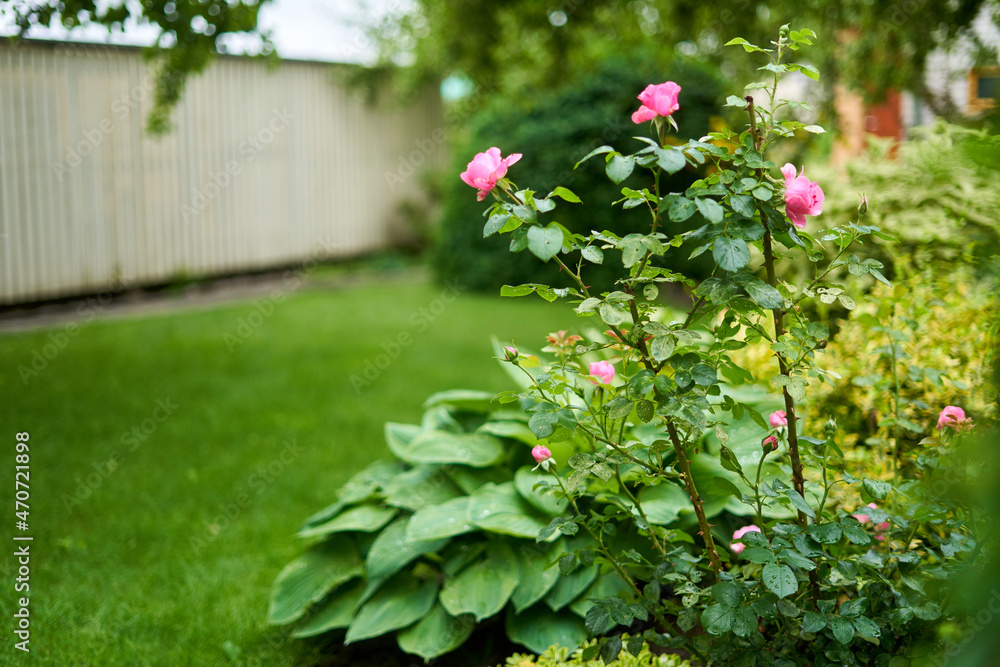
[[554, 130]]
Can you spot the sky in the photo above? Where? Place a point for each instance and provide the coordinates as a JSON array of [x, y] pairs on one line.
[[324, 30]]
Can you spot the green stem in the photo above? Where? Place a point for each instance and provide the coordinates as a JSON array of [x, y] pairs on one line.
[[649, 526]]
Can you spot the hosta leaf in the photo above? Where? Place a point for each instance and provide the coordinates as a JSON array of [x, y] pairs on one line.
[[499, 508], [423, 485], [569, 587], [308, 578], [536, 580], [436, 634], [664, 503], [392, 549], [537, 629], [483, 588], [364, 485], [478, 450], [465, 400], [365, 518], [401, 602], [434, 522], [607, 584], [335, 612], [542, 499]]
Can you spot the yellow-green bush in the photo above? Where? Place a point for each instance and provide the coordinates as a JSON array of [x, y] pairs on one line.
[[559, 656]]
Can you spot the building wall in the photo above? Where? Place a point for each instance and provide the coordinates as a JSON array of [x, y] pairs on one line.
[[265, 167]]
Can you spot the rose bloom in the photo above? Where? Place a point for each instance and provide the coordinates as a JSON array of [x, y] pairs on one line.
[[863, 518], [605, 370], [486, 169], [541, 453], [802, 196], [657, 100], [950, 416], [738, 547], [778, 419]]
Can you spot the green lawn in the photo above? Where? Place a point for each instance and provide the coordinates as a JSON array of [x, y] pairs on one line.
[[147, 432]]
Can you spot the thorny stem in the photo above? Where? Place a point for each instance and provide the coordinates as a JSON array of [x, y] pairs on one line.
[[649, 526], [798, 481], [692, 490]]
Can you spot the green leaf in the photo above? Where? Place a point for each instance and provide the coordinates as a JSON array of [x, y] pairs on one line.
[[758, 555], [619, 167], [593, 254], [536, 579], [365, 518], [813, 622], [392, 549], [423, 485], [537, 629], [742, 204], [607, 584], [664, 503], [565, 194], [744, 621], [614, 314], [800, 503], [762, 294], [400, 602], [478, 450], [842, 628], [501, 509], [779, 579], [434, 522], [727, 487], [671, 160], [544, 500], [483, 588], [366, 484], [308, 578], [681, 208], [876, 489], [662, 347], [570, 586], [545, 242], [436, 634], [867, 627], [597, 151], [727, 593], [334, 613], [717, 619], [730, 254], [825, 533], [853, 531], [711, 209], [495, 223]]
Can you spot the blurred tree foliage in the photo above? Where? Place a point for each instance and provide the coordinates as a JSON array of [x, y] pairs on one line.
[[189, 36], [870, 46]]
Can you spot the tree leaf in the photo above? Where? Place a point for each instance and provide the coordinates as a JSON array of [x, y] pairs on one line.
[[744, 621], [308, 578], [483, 588], [681, 208], [711, 209], [842, 628], [619, 167], [779, 579], [400, 602], [717, 619], [800, 503], [813, 622]]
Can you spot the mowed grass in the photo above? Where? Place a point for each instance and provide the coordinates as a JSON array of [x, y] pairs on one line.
[[156, 535]]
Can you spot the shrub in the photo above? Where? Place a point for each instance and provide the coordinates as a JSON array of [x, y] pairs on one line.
[[566, 123]]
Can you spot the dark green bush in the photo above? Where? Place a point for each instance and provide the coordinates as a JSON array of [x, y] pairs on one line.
[[554, 130]]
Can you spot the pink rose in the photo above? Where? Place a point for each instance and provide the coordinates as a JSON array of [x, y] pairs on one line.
[[879, 529], [738, 547], [510, 353], [778, 419], [541, 453], [486, 169], [802, 196], [605, 370], [770, 442], [951, 416], [657, 100], [863, 518]]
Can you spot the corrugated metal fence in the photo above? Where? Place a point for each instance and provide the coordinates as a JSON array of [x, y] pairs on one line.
[[265, 167]]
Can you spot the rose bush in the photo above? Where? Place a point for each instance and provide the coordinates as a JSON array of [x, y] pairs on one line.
[[664, 509]]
